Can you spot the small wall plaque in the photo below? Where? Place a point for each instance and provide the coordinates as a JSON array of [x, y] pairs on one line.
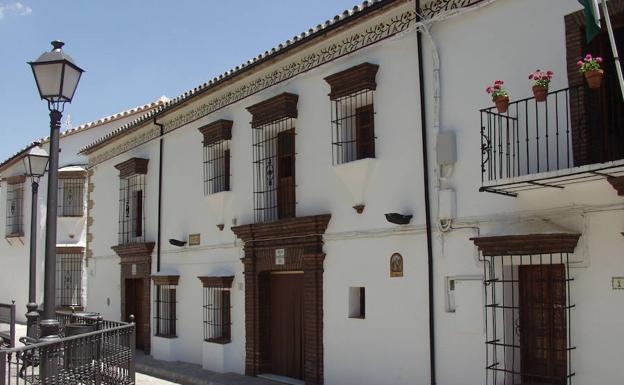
[[194, 240], [279, 256], [618, 283], [396, 265], [134, 271]]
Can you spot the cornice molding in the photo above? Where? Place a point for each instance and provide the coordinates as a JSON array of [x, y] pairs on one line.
[[285, 228], [224, 282], [354, 79], [132, 166], [278, 107], [70, 250], [216, 131], [165, 279], [134, 251], [529, 244]]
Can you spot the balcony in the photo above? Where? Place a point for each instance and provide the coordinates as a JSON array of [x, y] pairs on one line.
[[576, 135]]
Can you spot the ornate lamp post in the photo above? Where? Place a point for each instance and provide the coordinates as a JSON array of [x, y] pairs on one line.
[[35, 164], [57, 78]]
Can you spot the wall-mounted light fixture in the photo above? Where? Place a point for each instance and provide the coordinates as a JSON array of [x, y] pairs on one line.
[[177, 243], [398, 219]]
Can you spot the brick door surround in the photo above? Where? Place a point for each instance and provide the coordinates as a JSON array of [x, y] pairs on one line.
[[138, 255], [302, 241]]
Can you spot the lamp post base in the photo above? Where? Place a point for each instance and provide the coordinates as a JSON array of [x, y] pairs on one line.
[[32, 317]]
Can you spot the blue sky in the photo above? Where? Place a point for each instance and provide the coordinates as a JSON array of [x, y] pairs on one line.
[[134, 51]]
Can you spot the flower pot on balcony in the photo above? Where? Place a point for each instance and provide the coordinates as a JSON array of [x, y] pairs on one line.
[[540, 93], [594, 78], [502, 104]]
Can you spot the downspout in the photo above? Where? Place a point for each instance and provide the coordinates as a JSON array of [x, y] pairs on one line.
[[160, 172], [427, 198]]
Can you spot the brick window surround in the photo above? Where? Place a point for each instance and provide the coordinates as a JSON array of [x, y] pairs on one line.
[[302, 240]]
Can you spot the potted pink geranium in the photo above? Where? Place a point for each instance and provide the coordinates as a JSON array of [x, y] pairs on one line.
[[541, 81], [500, 97], [592, 69]]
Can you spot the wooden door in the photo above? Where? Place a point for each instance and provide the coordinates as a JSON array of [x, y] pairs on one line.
[[543, 325], [134, 306], [286, 174], [286, 325]]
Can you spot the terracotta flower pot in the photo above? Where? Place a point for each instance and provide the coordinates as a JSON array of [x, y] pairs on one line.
[[594, 78], [540, 93], [502, 104]]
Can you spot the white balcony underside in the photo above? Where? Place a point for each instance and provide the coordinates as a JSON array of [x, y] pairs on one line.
[[555, 179]]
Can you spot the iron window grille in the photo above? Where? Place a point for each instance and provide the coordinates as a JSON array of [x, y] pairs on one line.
[[217, 319], [165, 305], [528, 319], [353, 127], [15, 214], [69, 280], [71, 197], [131, 209], [274, 170], [216, 167]]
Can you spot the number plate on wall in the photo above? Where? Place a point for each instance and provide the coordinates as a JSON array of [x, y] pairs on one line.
[[279, 256]]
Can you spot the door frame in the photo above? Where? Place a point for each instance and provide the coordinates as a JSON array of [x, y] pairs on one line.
[[302, 242]]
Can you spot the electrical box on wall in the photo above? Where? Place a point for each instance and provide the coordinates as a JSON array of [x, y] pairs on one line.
[[446, 149], [446, 204]]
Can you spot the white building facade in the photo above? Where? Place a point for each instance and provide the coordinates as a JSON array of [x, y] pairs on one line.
[[274, 220], [15, 223]]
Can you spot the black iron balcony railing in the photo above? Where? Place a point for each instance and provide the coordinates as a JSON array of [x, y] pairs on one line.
[[575, 126], [103, 356]]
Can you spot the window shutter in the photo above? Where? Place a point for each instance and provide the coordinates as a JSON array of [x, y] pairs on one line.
[[365, 122]]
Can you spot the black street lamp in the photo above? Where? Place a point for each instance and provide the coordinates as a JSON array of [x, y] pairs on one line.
[[57, 78], [35, 165]]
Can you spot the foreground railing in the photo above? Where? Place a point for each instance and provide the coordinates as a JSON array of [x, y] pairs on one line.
[[104, 356], [7, 325], [574, 126]]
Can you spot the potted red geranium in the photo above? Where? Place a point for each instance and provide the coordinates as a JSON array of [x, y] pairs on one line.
[[541, 81], [591, 68], [500, 97]]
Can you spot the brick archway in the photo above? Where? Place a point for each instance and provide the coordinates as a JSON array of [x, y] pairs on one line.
[[302, 241]]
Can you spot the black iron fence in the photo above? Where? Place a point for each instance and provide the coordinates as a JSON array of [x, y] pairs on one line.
[[103, 356], [573, 127], [7, 325]]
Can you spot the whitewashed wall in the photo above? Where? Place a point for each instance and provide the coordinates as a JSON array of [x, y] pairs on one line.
[[507, 40]]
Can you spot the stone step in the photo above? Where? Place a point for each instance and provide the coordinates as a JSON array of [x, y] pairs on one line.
[[191, 374]]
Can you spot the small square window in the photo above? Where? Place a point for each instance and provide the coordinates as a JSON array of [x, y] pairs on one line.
[[357, 302]]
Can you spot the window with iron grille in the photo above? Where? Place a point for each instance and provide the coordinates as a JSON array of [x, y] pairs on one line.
[[217, 309], [69, 279], [528, 307], [71, 197], [15, 214], [165, 310], [353, 113], [274, 155], [217, 139], [131, 209]]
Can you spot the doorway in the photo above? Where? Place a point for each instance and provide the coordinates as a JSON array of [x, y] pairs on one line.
[[285, 324], [135, 305], [543, 324]]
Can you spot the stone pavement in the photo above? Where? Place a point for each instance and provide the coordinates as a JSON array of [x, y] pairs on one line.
[[187, 374]]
